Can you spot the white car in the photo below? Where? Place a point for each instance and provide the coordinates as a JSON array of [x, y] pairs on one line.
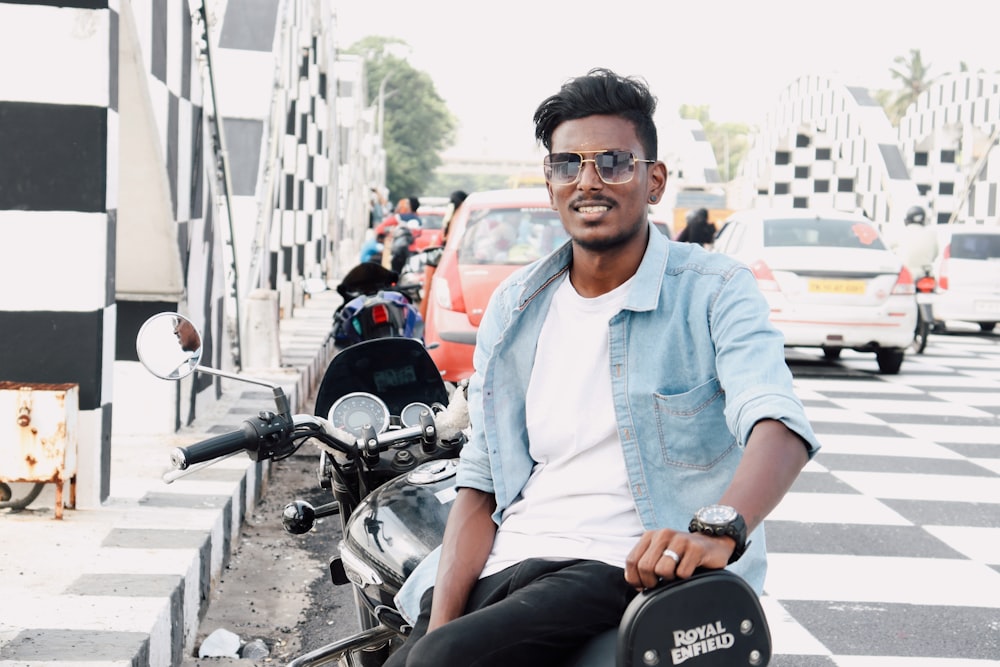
[[830, 279], [968, 276]]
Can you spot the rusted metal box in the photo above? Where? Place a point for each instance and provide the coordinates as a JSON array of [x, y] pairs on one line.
[[38, 436]]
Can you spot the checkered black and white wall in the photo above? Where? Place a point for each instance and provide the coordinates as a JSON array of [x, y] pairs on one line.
[[943, 135], [110, 202], [58, 207], [828, 145]]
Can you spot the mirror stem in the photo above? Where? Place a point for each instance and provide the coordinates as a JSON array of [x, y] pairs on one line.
[[280, 400]]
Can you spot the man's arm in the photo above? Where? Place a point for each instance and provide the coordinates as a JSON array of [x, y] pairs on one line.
[[773, 458], [468, 539]]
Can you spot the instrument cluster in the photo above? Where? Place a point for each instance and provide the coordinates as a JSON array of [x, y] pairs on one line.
[[352, 412]]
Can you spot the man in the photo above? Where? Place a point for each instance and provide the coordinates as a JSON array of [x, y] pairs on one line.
[[917, 245], [621, 384]]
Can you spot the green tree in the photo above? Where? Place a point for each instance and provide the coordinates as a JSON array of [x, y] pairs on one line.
[[914, 78], [730, 141], [417, 124]]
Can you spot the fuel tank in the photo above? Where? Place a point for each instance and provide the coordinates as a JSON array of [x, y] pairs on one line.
[[396, 526]]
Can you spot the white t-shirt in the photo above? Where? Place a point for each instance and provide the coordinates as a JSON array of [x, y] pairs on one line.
[[577, 503]]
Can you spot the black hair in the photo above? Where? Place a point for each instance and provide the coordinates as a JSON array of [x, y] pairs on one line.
[[600, 92], [414, 204], [457, 197]]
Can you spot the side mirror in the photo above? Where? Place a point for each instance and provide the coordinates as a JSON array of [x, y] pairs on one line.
[[169, 346]]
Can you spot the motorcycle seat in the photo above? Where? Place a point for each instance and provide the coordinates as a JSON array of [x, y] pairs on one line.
[[714, 616]]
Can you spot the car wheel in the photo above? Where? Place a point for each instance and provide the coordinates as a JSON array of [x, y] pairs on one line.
[[987, 326], [832, 353], [889, 360]]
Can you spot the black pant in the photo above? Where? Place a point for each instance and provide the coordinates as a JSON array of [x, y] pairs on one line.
[[534, 613]]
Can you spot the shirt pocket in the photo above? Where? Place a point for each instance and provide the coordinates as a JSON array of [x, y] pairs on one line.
[[692, 426]]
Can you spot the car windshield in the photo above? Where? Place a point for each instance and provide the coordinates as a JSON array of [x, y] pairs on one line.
[[431, 220], [975, 246], [821, 232], [510, 235]]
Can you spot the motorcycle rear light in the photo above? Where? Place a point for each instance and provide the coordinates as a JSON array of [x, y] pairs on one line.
[[904, 283], [765, 279], [380, 314]]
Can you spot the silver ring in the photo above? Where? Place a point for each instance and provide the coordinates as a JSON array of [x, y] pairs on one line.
[[670, 553]]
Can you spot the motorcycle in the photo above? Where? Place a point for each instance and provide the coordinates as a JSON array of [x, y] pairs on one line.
[[375, 305], [926, 286], [389, 435]]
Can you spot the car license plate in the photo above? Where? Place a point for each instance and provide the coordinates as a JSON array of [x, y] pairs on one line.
[[988, 307], [823, 286]]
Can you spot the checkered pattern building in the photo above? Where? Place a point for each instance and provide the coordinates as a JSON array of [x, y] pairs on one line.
[[58, 209], [114, 191], [828, 145], [943, 135]]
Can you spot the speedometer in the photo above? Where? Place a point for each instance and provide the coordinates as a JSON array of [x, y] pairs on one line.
[[351, 412], [410, 416]]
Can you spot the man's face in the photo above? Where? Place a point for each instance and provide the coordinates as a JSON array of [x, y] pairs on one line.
[[187, 336], [596, 215]]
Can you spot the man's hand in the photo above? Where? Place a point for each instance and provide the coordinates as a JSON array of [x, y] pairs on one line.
[[652, 558]]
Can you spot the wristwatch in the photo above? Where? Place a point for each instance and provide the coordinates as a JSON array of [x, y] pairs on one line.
[[722, 520]]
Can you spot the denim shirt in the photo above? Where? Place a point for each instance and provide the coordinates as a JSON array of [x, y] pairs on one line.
[[694, 364]]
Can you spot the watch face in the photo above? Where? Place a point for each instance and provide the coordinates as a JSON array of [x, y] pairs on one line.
[[716, 515]]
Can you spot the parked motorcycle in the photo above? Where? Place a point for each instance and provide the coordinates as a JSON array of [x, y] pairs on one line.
[[389, 435], [375, 305]]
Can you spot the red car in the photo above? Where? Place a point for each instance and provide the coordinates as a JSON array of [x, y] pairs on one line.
[[493, 234]]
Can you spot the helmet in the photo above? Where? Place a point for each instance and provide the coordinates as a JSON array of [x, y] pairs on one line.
[[915, 215]]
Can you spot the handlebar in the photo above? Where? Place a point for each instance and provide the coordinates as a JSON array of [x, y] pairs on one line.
[[265, 436], [269, 436], [213, 448]]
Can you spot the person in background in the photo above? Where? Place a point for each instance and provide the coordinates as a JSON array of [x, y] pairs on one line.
[[371, 250], [400, 245], [698, 229], [402, 210], [917, 244], [600, 461], [454, 201], [377, 207]]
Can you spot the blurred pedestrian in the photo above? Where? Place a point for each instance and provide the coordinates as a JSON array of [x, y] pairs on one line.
[[917, 245], [454, 201], [698, 229], [371, 250]]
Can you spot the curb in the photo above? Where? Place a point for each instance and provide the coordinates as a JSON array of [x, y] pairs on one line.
[[126, 584]]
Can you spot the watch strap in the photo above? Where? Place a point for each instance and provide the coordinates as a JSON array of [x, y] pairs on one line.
[[736, 529]]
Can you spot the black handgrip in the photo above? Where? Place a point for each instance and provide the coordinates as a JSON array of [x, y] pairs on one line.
[[213, 448]]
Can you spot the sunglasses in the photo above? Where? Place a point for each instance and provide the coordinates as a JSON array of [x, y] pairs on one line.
[[613, 167]]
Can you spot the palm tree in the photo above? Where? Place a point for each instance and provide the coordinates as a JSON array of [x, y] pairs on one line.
[[914, 77]]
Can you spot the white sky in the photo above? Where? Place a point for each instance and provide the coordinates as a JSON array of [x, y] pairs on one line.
[[493, 63]]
